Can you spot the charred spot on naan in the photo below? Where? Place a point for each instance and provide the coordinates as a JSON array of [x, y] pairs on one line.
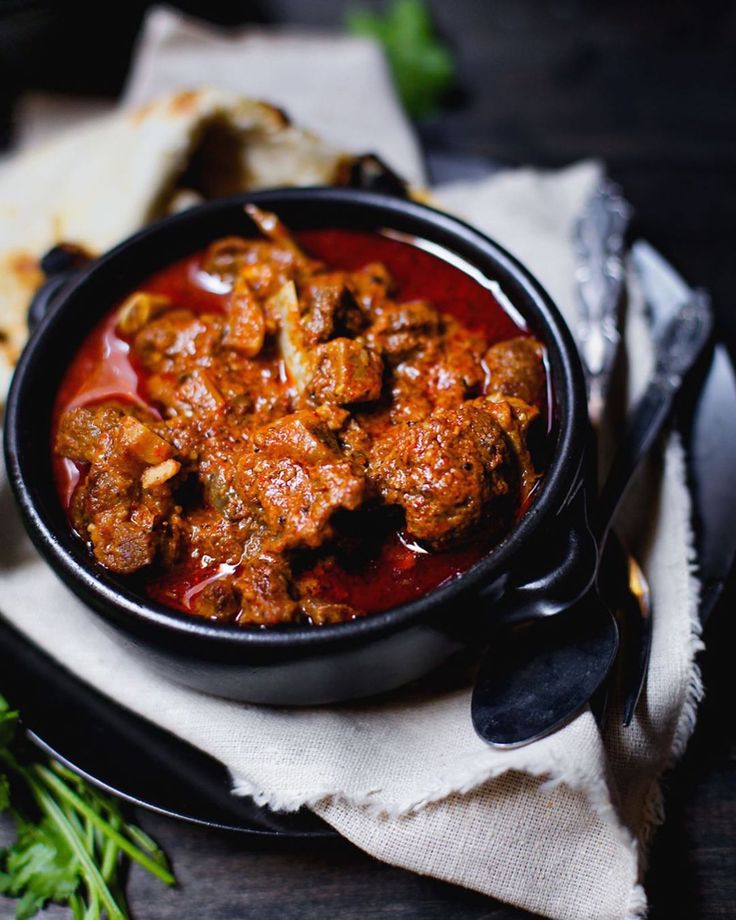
[[185, 102], [182, 104], [24, 265], [20, 277]]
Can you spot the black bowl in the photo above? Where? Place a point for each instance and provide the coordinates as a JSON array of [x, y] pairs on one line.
[[307, 664]]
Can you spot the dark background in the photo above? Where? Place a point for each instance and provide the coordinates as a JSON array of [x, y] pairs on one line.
[[651, 89]]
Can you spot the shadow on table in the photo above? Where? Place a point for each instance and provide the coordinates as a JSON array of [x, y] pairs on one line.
[[698, 839]]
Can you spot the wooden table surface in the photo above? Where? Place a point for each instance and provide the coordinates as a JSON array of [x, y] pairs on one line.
[[651, 89]]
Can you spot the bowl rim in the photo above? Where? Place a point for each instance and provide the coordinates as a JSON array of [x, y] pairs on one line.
[[135, 609]]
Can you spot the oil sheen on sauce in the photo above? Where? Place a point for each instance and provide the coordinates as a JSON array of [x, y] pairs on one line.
[[401, 571]]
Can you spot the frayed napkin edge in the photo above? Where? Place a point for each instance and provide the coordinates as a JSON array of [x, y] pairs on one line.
[[638, 906], [594, 788]]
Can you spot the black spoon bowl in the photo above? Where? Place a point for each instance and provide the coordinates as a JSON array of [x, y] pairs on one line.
[[126, 755], [568, 656]]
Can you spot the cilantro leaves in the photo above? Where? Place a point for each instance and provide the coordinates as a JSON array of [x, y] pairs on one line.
[[40, 867], [71, 841], [421, 65]]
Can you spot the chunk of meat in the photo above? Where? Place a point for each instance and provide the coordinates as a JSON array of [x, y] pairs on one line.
[[515, 417], [265, 589], [410, 399], [442, 371], [329, 309], [91, 434], [195, 392], [264, 265], [82, 431], [218, 600], [121, 543], [449, 473], [224, 258], [265, 280], [238, 388], [211, 536], [246, 321], [345, 371], [454, 369], [199, 392], [298, 501], [168, 342], [307, 436], [272, 228], [370, 286], [341, 370], [516, 368], [123, 518], [401, 329], [298, 477]]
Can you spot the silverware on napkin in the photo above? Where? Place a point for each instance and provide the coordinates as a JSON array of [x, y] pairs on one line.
[[599, 248], [600, 252], [710, 434]]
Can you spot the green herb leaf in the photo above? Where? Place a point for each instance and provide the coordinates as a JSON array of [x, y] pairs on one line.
[[68, 796], [39, 867], [422, 66], [71, 840]]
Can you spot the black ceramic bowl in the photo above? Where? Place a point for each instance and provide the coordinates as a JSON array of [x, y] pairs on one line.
[[298, 665]]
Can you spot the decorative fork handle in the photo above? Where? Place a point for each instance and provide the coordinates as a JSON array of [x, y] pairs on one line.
[[679, 347], [599, 250]]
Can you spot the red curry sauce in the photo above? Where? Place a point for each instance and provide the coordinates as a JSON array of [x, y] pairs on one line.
[[401, 570]]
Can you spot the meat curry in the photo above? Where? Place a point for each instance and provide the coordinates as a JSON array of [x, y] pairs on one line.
[[282, 430]]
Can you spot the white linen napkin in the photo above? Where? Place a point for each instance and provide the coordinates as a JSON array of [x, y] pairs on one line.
[[558, 827]]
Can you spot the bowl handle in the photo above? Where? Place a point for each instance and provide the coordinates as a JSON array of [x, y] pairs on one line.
[[555, 571], [60, 265], [370, 173]]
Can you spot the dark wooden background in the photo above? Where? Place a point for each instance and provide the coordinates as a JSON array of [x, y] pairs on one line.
[[651, 89]]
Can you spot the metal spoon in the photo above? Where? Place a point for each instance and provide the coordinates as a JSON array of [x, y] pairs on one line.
[[541, 671]]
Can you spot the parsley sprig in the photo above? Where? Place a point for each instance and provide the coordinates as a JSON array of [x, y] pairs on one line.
[[72, 841], [422, 65]]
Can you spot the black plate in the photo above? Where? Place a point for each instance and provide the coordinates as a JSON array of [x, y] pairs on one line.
[[131, 757], [127, 755]]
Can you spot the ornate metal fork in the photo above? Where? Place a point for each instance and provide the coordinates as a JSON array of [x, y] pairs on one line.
[[600, 251]]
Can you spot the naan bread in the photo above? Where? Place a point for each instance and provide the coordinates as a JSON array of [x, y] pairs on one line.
[[103, 181]]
